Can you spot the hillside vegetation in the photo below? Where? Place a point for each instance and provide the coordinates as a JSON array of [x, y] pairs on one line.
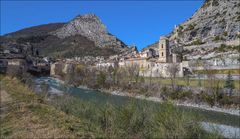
[[27, 115]]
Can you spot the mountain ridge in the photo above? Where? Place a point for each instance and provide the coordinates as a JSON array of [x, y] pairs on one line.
[[70, 39]]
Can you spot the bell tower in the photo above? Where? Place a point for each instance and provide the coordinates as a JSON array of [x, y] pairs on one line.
[[164, 50]]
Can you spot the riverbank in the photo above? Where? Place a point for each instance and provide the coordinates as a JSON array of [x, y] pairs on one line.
[[24, 114], [231, 111], [185, 104]]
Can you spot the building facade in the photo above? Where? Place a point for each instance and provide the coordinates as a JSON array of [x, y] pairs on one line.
[[164, 50]]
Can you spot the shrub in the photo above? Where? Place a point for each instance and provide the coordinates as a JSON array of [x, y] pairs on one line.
[[190, 27], [217, 38], [180, 28], [181, 95], [236, 48], [101, 79], [226, 100], [207, 98], [197, 42], [225, 33], [229, 84]]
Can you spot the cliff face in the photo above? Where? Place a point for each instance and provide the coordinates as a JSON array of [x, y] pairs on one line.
[[215, 20], [91, 27]]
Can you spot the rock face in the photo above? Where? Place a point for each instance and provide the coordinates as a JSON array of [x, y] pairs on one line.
[[152, 46], [215, 20], [90, 26]]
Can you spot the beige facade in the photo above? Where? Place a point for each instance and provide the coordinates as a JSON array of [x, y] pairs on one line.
[[151, 67], [156, 67], [16, 62], [164, 51]]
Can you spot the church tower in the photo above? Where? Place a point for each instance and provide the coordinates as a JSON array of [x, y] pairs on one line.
[[164, 50]]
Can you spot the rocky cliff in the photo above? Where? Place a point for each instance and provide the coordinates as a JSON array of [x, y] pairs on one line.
[[215, 21], [91, 27]]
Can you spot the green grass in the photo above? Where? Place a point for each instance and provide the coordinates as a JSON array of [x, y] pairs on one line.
[[135, 120], [31, 116], [221, 71], [192, 82]]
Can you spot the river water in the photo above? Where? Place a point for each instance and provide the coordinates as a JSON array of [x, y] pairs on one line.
[[227, 124]]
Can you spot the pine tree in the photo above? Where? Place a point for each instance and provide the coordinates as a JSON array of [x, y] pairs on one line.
[[229, 83]]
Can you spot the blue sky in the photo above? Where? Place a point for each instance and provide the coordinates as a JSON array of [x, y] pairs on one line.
[[134, 22]]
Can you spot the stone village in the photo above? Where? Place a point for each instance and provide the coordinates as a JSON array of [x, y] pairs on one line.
[[151, 62]]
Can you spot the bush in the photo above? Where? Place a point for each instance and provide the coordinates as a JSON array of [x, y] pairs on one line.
[[226, 100], [236, 48], [181, 95], [101, 79], [218, 38], [207, 98], [197, 42], [190, 27], [225, 33], [229, 83]]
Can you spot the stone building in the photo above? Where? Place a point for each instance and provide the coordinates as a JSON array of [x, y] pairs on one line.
[[164, 50], [148, 53], [151, 65]]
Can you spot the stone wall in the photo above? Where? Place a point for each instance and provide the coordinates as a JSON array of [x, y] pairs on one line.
[[161, 70]]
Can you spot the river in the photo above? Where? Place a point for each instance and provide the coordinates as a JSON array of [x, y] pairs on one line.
[[227, 124]]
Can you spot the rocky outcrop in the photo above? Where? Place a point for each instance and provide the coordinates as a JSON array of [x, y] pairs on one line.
[[215, 20], [90, 26], [152, 46], [214, 28]]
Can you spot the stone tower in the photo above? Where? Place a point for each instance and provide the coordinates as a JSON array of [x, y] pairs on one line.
[[164, 54]]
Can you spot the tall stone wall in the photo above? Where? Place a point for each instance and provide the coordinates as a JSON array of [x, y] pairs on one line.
[[161, 70]]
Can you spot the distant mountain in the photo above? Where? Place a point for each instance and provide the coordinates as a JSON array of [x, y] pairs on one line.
[[90, 26], [36, 31], [215, 21], [151, 46], [85, 35]]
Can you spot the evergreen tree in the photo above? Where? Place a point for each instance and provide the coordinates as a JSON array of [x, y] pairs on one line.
[[229, 83]]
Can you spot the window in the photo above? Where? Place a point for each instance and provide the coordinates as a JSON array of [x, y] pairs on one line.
[[162, 46], [162, 53]]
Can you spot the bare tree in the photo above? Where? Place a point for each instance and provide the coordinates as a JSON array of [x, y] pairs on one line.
[[80, 73], [70, 74], [212, 84], [133, 72], [173, 69], [150, 81]]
